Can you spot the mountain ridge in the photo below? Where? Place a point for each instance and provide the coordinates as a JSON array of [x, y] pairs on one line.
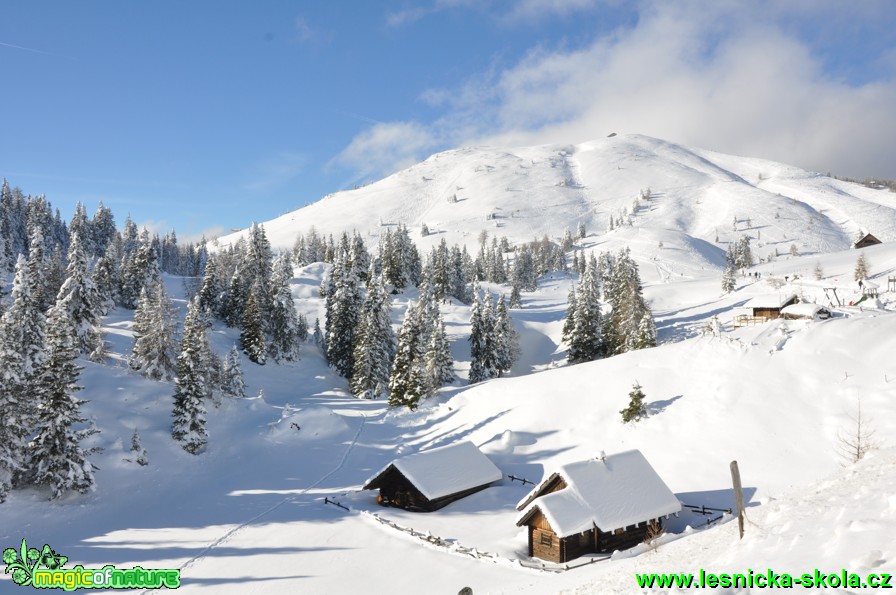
[[528, 192]]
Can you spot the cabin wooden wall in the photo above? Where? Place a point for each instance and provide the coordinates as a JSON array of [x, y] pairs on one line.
[[396, 490], [543, 542], [621, 540]]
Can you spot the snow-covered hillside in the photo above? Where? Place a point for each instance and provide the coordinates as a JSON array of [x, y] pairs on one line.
[[696, 195], [253, 513]]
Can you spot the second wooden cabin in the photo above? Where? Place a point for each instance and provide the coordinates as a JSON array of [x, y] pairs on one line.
[[429, 480], [763, 308], [598, 505]]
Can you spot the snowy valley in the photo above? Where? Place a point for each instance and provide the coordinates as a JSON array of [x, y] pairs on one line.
[[274, 503]]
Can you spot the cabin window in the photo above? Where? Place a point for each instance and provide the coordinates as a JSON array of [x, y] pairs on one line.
[[546, 539]]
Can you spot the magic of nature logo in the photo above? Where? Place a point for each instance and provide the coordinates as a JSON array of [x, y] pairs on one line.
[[43, 569]]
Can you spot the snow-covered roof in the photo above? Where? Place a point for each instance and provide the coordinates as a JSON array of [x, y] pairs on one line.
[[616, 491], [870, 284], [805, 309], [770, 300], [445, 470]]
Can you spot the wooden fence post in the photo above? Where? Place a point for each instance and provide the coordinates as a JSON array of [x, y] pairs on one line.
[[738, 496]]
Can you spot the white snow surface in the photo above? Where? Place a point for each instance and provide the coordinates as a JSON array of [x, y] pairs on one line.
[[445, 470], [807, 310], [609, 493], [769, 300], [249, 515]]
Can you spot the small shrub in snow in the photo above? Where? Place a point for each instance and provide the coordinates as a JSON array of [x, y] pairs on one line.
[[636, 409]]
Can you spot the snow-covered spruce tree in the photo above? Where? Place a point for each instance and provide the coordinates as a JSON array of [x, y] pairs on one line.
[[105, 280], [516, 300], [375, 344], [569, 322], [192, 384], [743, 255], [729, 276], [142, 457], [37, 270], [15, 404], [81, 298], [344, 304], [861, 270], [234, 299], [482, 328], [302, 328], [407, 381], [284, 322], [636, 409], [399, 258], [154, 330], [437, 362], [102, 229], [524, 273], [139, 270], [582, 329], [25, 325], [646, 334], [56, 458], [233, 383], [318, 335], [252, 336], [818, 272], [630, 323], [259, 270], [507, 345], [211, 290]]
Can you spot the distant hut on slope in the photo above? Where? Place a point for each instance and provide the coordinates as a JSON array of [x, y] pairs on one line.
[[763, 308], [598, 505], [431, 479], [865, 241]]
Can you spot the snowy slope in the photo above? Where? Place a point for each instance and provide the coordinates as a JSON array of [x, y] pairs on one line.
[[250, 515], [533, 191]]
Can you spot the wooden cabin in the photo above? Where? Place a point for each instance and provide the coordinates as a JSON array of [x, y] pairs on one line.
[[865, 241], [763, 308], [429, 480], [599, 505]]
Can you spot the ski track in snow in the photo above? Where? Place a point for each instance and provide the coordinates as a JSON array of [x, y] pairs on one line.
[[234, 530]]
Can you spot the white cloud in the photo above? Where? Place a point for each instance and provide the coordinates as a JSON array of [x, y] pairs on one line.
[[386, 147], [741, 78], [302, 30], [535, 9], [721, 79]]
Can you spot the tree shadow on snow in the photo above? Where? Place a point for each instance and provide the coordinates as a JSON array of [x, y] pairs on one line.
[[656, 407]]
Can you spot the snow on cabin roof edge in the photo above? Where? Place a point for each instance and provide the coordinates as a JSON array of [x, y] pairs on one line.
[[610, 493], [445, 470]]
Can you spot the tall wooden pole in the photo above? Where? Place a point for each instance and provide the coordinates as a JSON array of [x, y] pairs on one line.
[[738, 496]]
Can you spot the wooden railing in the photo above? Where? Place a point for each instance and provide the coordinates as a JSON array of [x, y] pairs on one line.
[[748, 320]]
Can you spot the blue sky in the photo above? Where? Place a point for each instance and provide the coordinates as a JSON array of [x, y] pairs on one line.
[[205, 116]]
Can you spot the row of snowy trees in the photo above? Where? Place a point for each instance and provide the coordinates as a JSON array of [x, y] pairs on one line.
[[738, 256], [494, 344], [360, 343], [41, 428], [449, 270], [591, 334], [247, 288]]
